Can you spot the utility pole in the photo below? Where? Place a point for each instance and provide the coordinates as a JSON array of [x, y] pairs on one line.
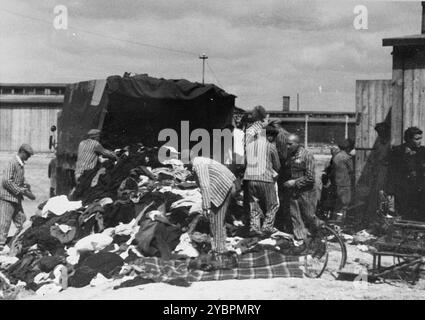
[[298, 102], [306, 131], [203, 57], [346, 126]]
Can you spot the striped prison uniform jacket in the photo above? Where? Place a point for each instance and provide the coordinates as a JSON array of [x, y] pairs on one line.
[[262, 161], [215, 181], [302, 169], [253, 131], [11, 187], [88, 151]]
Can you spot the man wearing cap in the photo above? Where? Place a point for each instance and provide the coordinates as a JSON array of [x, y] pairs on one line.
[[12, 189], [88, 152]]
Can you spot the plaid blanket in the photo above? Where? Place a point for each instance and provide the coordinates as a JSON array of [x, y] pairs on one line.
[[253, 265]]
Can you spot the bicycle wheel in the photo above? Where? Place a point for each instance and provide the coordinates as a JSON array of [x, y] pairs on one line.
[[327, 254]]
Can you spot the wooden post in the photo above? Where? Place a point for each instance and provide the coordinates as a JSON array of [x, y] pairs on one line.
[[397, 98], [346, 126], [306, 132]]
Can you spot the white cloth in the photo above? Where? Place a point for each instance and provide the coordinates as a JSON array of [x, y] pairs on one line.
[[195, 204], [48, 289], [99, 280], [143, 180], [176, 163], [59, 205], [109, 232], [42, 277], [231, 243], [239, 145], [105, 201], [127, 228], [6, 261], [133, 249], [93, 242], [268, 241], [185, 247], [73, 256], [153, 214], [63, 227]]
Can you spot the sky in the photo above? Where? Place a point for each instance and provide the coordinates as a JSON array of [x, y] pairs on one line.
[[257, 50]]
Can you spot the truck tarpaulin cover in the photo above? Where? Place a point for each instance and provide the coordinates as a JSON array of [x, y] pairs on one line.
[[135, 109]]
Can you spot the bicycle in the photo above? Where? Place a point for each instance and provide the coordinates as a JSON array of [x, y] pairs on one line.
[[326, 251]]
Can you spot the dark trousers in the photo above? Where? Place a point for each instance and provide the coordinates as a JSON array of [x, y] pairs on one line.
[[302, 209], [262, 197], [410, 203], [343, 194]]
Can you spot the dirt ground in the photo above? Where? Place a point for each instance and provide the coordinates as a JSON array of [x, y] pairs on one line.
[[257, 289]]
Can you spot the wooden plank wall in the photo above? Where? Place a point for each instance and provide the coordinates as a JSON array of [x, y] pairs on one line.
[[26, 123], [373, 104], [414, 99]]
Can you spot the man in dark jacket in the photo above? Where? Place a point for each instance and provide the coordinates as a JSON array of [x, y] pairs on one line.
[[342, 170], [300, 186], [407, 176], [379, 161], [280, 140]]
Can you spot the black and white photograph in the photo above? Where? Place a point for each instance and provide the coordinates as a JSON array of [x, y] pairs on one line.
[[229, 151]]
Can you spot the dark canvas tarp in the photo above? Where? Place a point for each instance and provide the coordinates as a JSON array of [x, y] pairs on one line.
[[142, 86], [127, 108], [79, 114]]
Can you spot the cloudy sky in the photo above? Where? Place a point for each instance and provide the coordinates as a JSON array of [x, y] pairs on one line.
[[258, 50]]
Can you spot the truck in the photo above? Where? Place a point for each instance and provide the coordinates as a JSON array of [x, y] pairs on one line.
[[133, 109]]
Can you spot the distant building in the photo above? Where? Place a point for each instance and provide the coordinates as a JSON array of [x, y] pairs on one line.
[[322, 127], [27, 111]]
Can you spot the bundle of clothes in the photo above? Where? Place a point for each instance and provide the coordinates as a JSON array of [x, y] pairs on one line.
[[121, 216]]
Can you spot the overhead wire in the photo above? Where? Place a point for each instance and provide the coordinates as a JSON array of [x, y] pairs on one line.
[[213, 73], [117, 39], [106, 36]]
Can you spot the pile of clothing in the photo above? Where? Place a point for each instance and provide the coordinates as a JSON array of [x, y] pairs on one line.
[[119, 215]]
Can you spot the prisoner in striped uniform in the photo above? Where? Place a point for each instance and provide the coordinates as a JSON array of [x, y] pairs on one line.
[[12, 189], [89, 151], [300, 186], [216, 184], [261, 172], [259, 115]]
